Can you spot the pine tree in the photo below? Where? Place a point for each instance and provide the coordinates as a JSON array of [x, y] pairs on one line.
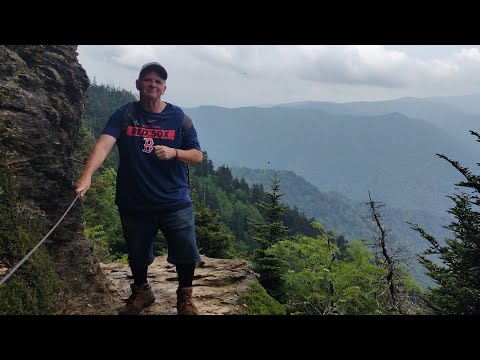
[[205, 168], [257, 193], [213, 239], [224, 178], [267, 234], [458, 273]]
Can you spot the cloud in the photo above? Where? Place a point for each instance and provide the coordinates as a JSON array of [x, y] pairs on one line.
[[239, 75]]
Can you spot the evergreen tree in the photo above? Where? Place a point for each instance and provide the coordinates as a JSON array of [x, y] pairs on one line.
[[269, 266], [245, 188], [213, 239], [298, 224], [205, 168], [257, 194], [224, 178], [458, 273], [342, 244]]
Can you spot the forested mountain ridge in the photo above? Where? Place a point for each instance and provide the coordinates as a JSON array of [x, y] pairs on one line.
[[102, 100], [333, 209], [392, 154], [351, 219]]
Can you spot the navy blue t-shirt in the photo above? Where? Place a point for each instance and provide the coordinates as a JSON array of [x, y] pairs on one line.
[[144, 182]]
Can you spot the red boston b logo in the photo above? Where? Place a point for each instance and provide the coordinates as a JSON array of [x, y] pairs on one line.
[[148, 145]]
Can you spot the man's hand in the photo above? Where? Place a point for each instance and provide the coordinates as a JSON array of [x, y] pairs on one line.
[[95, 160], [164, 152], [83, 184]]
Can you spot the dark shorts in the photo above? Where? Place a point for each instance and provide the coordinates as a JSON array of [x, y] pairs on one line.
[[178, 227]]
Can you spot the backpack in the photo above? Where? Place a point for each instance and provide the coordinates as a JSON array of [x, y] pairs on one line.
[[131, 117]]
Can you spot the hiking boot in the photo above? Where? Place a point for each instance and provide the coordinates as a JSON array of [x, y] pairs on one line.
[[185, 305], [141, 297]]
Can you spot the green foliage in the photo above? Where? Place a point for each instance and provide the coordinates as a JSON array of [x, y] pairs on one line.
[[224, 179], [213, 238], [258, 302], [359, 283], [267, 265], [232, 211], [315, 284], [101, 102], [332, 209], [102, 221], [349, 218], [33, 288], [205, 168], [271, 269], [101, 250], [457, 273], [273, 230], [123, 260], [85, 144], [299, 224]]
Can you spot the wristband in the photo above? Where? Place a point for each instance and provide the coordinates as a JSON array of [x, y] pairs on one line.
[[176, 153]]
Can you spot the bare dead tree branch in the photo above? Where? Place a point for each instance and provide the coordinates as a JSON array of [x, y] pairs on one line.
[[375, 215]]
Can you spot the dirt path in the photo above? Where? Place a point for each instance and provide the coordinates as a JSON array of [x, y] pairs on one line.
[[217, 285]]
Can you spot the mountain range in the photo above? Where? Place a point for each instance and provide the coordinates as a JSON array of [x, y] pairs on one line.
[[391, 154]]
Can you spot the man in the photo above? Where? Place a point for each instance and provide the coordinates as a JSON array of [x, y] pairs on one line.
[[152, 187]]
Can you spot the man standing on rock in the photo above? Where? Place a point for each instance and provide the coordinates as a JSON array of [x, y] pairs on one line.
[[155, 141]]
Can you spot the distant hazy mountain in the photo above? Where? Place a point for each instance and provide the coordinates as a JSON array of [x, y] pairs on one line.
[[456, 115], [469, 104], [391, 155], [350, 218]]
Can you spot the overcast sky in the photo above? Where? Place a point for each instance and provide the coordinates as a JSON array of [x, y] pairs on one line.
[[248, 75]]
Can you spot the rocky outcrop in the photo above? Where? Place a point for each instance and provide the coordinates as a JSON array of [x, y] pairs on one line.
[[42, 102], [218, 284]]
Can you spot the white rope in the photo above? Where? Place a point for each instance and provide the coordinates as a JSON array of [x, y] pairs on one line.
[[36, 246]]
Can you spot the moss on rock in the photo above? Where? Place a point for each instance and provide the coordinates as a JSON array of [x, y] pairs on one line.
[[33, 288]]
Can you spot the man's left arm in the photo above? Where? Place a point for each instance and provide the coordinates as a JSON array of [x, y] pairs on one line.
[[189, 152], [192, 156]]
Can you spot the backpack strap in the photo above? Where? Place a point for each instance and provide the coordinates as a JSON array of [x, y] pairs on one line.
[[186, 125], [131, 115]]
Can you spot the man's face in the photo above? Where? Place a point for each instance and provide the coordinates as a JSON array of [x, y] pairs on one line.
[[151, 85]]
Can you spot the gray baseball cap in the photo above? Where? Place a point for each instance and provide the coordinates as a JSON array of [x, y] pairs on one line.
[[156, 67]]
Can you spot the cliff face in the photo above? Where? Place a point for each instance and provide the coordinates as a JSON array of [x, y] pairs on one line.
[[41, 106]]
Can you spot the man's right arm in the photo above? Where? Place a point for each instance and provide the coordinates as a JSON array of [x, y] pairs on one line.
[[95, 160]]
